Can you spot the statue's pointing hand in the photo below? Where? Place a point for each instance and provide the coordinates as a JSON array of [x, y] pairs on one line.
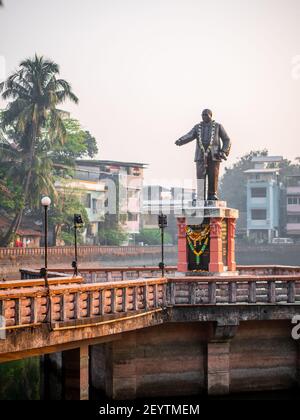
[[178, 143]]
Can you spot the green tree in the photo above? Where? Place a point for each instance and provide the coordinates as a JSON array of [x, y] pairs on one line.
[[10, 190], [77, 144], [61, 216], [90, 141], [20, 380], [112, 235], [152, 237], [35, 92]]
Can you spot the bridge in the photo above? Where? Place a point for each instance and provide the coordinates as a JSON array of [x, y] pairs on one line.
[[119, 327]]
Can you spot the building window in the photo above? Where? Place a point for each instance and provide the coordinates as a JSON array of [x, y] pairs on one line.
[[258, 192], [94, 208], [123, 218], [293, 181], [87, 201], [259, 214], [293, 200], [82, 175], [293, 219], [132, 193], [133, 217]]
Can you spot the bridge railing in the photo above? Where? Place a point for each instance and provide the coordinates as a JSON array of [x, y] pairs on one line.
[[234, 290], [74, 302], [108, 274], [264, 270], [86, 250], [27, 274], [94, 275], [26, 303]]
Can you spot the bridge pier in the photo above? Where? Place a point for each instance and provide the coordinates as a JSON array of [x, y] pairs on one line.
[[122, 368], [75, 367], [218, 368], [218, 356]]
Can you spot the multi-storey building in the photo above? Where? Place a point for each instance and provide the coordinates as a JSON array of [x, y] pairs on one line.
[[263, 198], [123, 183], [91, 192], [293, 205]]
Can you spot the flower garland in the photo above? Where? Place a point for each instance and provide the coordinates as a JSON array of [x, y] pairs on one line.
[[198, 237], [200, 143]]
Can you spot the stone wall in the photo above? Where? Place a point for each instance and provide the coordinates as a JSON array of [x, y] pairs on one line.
[[138, 256], [183, 360], [11, 260]]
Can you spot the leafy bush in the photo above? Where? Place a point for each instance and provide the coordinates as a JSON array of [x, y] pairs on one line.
[[152, 237], [20, 380]]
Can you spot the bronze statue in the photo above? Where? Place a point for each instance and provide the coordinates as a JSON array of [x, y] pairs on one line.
[[213, 146]]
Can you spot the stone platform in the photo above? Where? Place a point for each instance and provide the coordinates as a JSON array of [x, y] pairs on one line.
[[219, 255]]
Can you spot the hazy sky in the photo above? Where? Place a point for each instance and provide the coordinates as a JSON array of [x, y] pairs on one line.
[[144, 69]]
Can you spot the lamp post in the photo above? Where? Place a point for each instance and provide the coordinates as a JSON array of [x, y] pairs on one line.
[[162, 223], [46, 201], [78, 222]]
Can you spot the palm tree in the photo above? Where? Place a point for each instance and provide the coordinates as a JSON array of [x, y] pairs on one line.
[[35, 91]]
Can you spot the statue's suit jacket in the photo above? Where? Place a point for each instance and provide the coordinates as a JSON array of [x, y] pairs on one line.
[[221, 142]]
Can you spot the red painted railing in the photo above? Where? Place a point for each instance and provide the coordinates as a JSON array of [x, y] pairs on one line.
[[85, 250]]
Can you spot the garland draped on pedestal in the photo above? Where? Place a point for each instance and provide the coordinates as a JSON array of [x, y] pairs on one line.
[[199, 239]]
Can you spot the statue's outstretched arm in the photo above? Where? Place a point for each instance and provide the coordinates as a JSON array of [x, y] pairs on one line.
[[190, 136]]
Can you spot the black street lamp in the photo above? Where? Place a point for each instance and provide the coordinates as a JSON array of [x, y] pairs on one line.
[[78, 223], [162, 223], [46, 201]]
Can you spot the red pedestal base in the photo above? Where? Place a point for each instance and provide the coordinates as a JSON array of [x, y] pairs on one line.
[[216, 263]]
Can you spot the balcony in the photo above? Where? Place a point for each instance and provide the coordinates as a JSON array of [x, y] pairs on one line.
[[258, 201], [293, 228], [293, 208], [134, 205], [258, 224], [293, 190]]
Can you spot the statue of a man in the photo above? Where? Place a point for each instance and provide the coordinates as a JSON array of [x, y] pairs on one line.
[[213, 146]]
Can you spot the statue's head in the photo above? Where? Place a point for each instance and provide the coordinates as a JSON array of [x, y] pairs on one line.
[[206, 115]]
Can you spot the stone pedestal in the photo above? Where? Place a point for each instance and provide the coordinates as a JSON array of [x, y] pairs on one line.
[[219, 256]]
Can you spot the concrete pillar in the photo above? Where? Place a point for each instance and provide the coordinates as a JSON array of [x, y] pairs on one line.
[[215, 247], [121, 369], [76, 373], [218, 368], [231, 263], [182, 263], [270, 236]]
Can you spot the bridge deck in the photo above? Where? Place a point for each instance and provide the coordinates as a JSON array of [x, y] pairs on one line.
[[34, 319]]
